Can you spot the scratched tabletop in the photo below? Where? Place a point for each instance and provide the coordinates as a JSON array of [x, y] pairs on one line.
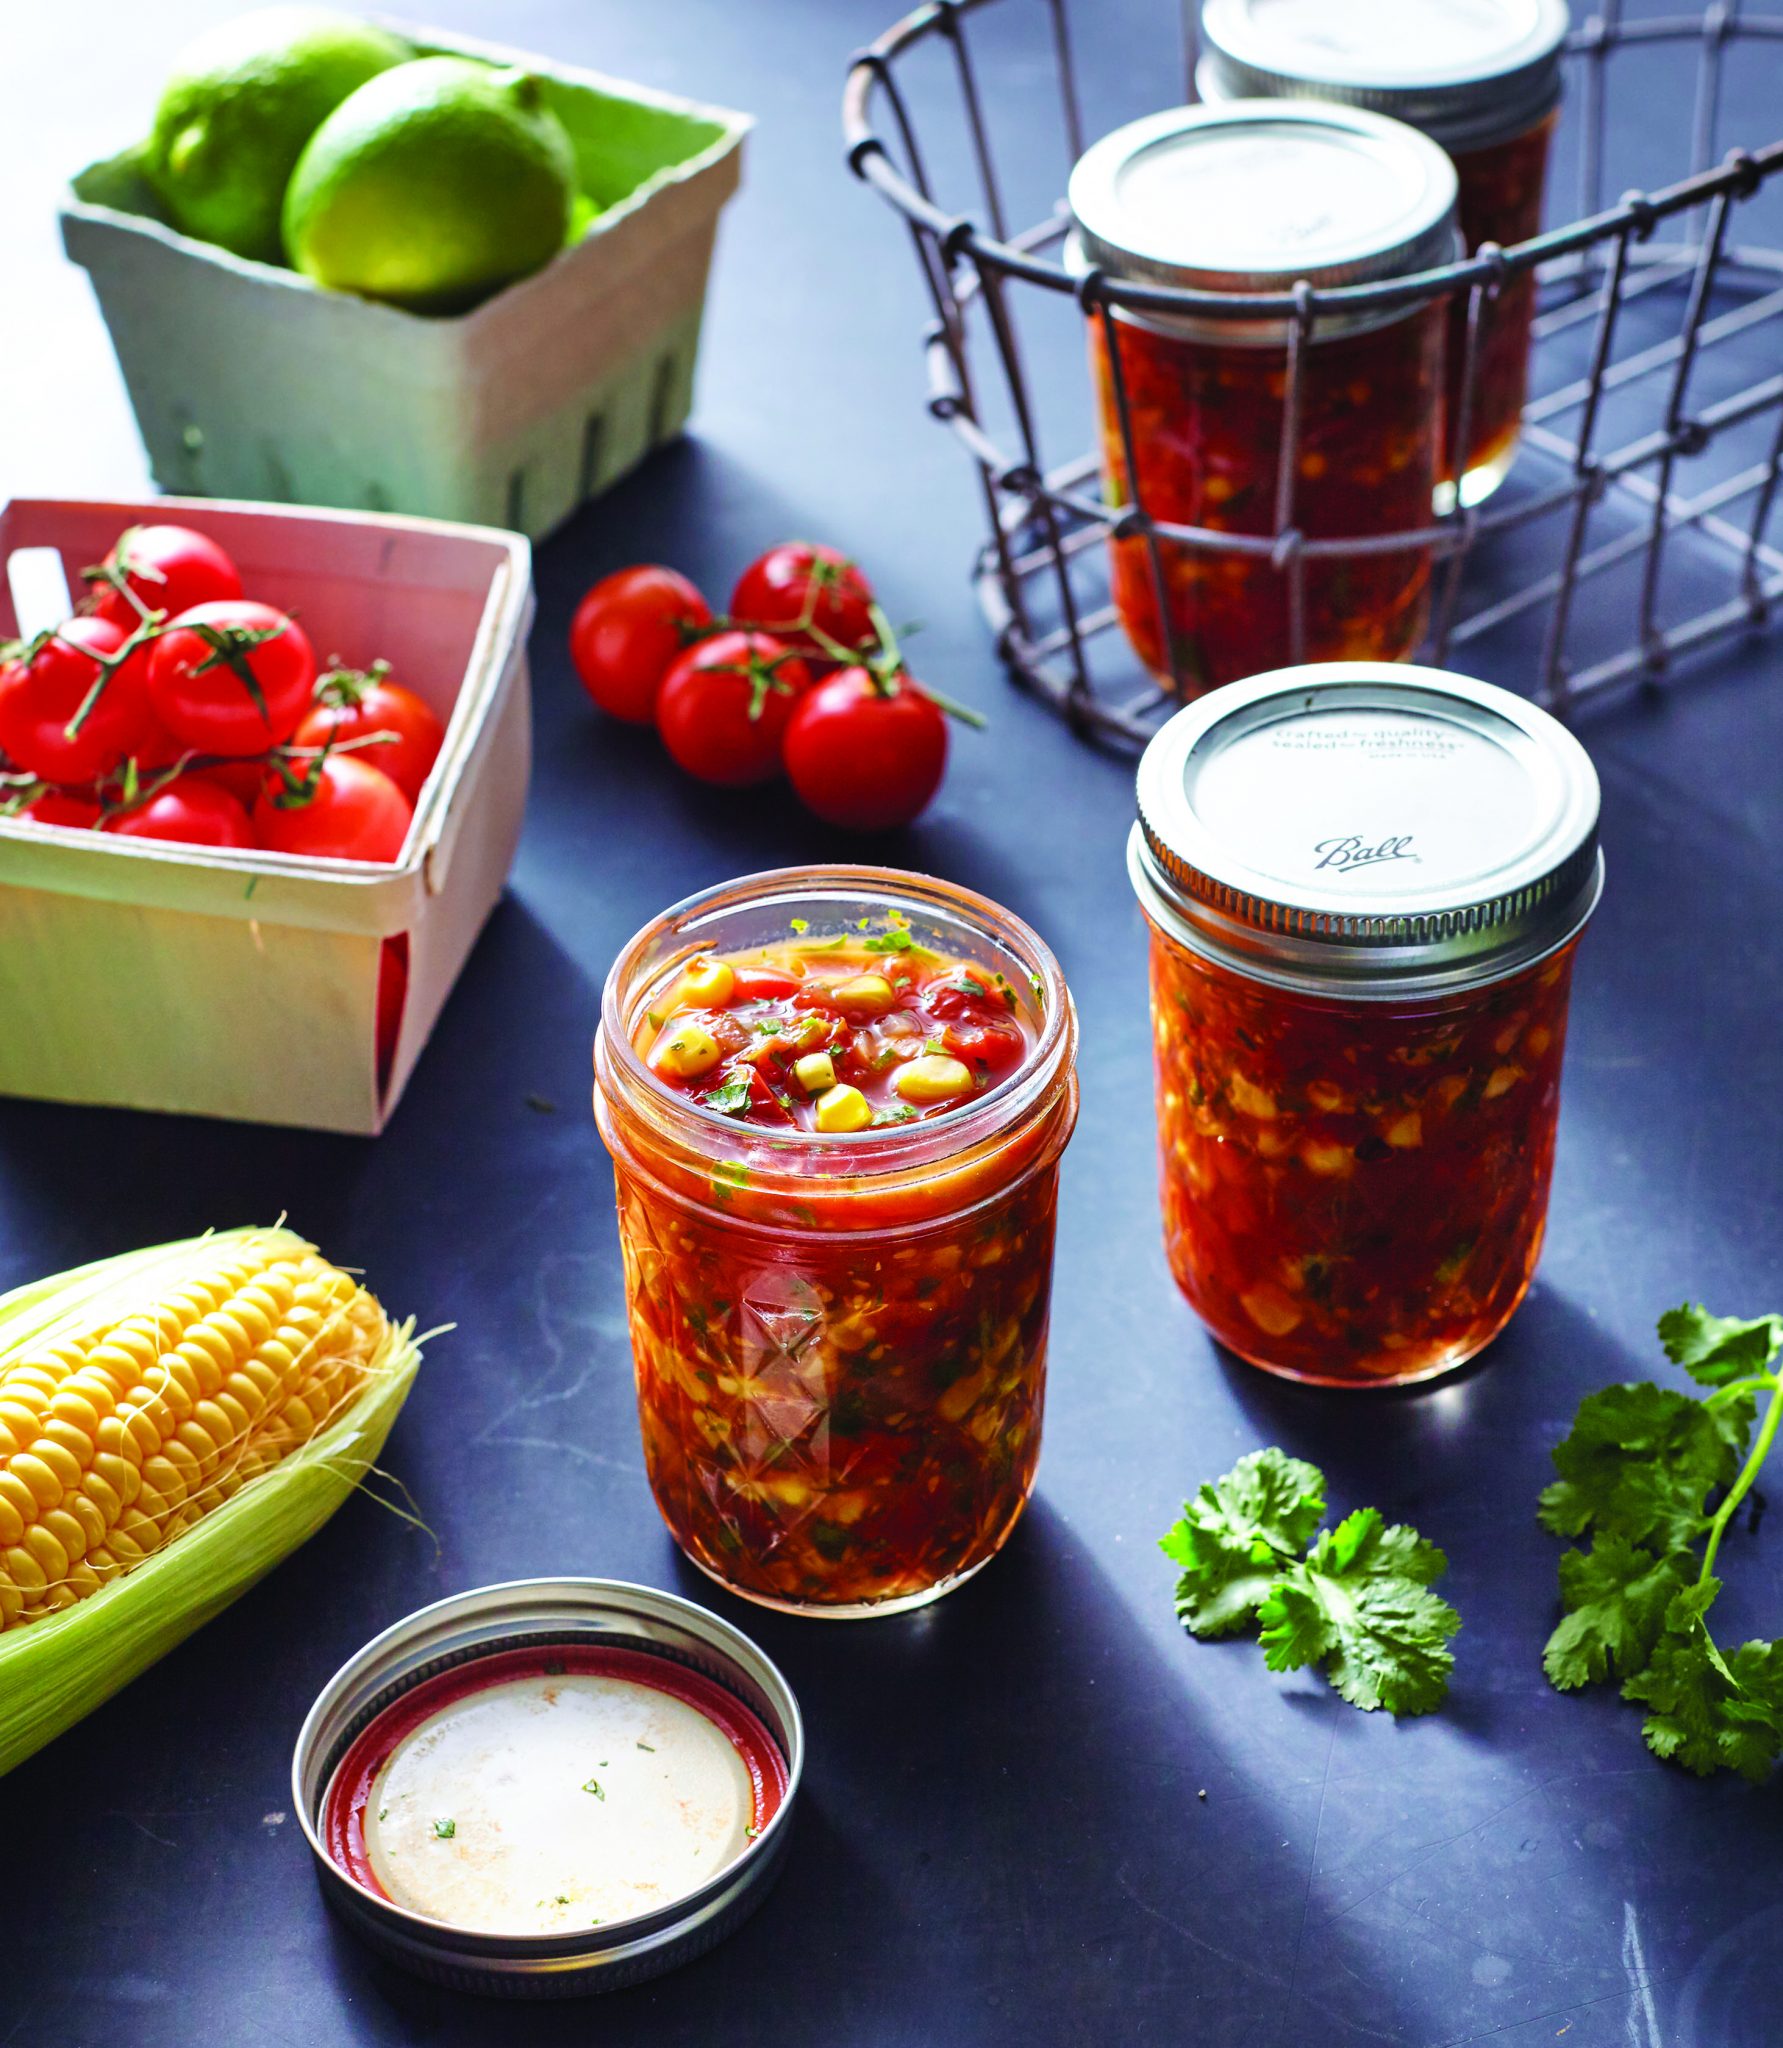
[[1003, 1838]]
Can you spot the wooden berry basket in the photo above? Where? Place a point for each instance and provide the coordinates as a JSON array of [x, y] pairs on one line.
[[144, 975], [249, 381]]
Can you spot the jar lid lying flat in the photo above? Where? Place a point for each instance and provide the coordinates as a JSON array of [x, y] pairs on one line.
[[1256, 196], [549, 1787], [1467, 72], [1369, 827]]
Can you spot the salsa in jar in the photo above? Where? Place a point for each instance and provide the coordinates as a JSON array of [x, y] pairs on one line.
[[1206, 421], [836, 1100], [1359, 1031], [1482, 78], [1502, 187], [1234, 461]]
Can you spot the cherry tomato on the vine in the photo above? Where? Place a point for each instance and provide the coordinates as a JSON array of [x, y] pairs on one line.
[[59, 807], [355, 704], [724, 705], [800, 583], [352, 812], [40, 699], [190, 812], [243, 778], [866, 752], [167, 569], [232, 677], [628, 632]]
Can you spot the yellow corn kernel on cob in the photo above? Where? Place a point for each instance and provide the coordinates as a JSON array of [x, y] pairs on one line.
[[114, 1442]]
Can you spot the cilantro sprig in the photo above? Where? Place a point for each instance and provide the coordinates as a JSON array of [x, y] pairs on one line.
[[1358, 1603], [1637, 1474]]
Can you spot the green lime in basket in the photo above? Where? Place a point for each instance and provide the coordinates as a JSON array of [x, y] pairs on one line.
[[237, 109], [432, 187]]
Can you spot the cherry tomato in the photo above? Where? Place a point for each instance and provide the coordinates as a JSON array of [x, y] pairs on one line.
[[725, 703], [356, 705], [216, 667], [800, 582], [244, 779], [866, 753], [189, 811], [627, 634], [40, 698], [355, 813], [168, 569], [58, 807]]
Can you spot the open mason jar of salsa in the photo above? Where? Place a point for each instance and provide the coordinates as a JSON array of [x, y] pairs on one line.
[[1194, 407], [836, 1100], [1480, 77], [1365, 886]]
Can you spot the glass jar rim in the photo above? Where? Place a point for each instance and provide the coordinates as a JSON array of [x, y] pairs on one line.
[[1360, 821], [1413, 233], [1474, 99], [892, 1152]]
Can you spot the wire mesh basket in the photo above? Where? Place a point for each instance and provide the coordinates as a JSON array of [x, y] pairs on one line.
[[1634, 530]]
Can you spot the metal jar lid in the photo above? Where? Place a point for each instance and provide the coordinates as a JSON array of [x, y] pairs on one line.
[[1469, 73], [1367, 829], [531, 1614], [1257, 196]]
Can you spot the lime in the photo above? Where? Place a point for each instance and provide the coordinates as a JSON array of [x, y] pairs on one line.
[[433, 186], [239, 106]]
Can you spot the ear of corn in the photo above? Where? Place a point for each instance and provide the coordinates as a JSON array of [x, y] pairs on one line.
[[172, 1424]]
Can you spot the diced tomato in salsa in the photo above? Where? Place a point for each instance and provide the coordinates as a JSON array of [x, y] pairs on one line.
[[1354, 1192]]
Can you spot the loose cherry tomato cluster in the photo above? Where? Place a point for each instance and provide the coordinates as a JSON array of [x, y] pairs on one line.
[[803, 676], [174, 707]]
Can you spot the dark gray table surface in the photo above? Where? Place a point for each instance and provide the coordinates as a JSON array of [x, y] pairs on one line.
[[1002, 1838]]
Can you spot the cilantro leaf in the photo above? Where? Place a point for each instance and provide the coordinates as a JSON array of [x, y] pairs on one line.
[[1361, 1604], [1710, 1712], [1716, 1349], [1640, 1463], [1237, 1533], [1615, 1596], [730, 1098]]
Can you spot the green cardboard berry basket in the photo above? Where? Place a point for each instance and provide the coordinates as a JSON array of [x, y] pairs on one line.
[[249, 381]]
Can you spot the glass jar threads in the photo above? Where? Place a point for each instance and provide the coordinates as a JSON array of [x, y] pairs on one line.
[[1199, 429], [1480, 77], [836, 1099], [1365, 886]]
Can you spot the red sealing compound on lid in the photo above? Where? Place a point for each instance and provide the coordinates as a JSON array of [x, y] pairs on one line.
[[349, 1790]]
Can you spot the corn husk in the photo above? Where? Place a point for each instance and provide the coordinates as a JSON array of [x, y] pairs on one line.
[[57, 1669]]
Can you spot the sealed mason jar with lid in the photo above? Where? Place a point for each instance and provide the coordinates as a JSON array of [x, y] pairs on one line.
[[1365, 886], [1251, 199], [836, 1099], [1480, 77]]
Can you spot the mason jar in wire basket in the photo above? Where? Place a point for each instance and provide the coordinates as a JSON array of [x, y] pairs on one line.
[[1633, 530]]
